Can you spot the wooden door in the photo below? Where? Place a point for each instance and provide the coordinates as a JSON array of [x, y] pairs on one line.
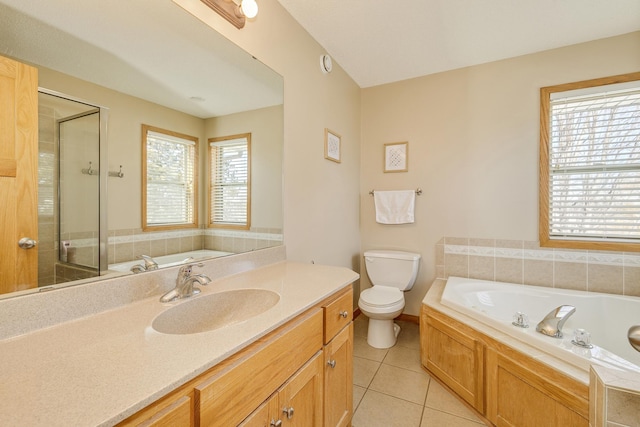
[[18, 174], [338, 379]]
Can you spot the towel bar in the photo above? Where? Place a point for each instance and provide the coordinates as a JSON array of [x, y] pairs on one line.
[[418, 191]]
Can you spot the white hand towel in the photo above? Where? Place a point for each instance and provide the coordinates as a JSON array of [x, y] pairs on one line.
[[395, 207]]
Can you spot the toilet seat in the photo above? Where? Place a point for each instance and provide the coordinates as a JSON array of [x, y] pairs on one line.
[[382, 297]]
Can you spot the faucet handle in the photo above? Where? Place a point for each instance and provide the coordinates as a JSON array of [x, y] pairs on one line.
[[186, 269]]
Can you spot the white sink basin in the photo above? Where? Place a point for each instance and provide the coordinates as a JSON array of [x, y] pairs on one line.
[[208, 312]]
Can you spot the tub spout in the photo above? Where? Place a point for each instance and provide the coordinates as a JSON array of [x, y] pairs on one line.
[[554, 321]]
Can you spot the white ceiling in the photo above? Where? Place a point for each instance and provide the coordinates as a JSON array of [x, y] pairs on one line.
[[383, 41], [161, 53]]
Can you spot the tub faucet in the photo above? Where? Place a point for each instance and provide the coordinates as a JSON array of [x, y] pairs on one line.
[[149, 264], [184, 284], [554, 321]]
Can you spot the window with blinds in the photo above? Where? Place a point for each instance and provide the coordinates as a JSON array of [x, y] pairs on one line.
[[230, 182], [592, 163], [169, 179]]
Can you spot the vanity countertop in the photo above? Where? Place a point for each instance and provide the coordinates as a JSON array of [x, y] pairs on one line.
[[100, 369]]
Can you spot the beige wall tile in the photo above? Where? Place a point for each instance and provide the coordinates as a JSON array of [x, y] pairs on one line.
[[456, 265], [509, 270], [464, 241], [570, 275], [632, 281], [512, 244], [481, 267], [538, 272], [490, 243], [605, 278], [623, 407]]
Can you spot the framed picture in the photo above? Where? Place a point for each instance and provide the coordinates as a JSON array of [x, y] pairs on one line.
[[396, 157], [332, 145]]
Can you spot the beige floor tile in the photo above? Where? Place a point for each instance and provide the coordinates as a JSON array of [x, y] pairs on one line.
[[358, 392], [401, 383], [379, 410], [409, 335], [363, 371], [364, 350], [361, 326], [404, 357], [441, 399], [433, 418]]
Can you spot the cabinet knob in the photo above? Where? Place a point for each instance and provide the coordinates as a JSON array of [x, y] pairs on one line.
[[332, 363], [288, 411], [344, 314], [275, 423]]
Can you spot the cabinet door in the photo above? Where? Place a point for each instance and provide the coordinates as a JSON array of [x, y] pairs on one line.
[[267, 415], [18, 174], [301, 397], [338, 379]]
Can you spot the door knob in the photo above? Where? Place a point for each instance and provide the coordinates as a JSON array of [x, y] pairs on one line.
[[275, 423], [344, 314], [27, 243], [332, 363]]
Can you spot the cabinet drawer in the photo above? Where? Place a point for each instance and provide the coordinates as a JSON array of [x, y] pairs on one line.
[[165, 414], [230, 396], [337, 314]]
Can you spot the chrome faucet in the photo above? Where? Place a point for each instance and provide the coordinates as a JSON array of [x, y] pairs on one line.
[[149, 264], [554, 321], [184, 284]]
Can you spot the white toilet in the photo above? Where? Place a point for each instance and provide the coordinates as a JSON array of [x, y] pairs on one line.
[[391, 273]]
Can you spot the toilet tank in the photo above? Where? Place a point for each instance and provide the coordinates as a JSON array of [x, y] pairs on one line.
[[395, 269]]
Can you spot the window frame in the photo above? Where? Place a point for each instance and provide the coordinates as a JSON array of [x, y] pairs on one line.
[[544, 172], [195, 204], [210, 196]]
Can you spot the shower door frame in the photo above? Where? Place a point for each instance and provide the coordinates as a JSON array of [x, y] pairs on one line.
[[103, 232]]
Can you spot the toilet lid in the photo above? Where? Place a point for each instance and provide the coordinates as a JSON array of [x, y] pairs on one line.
[[382, 296]]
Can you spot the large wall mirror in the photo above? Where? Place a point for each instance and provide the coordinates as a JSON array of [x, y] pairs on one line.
[[150, 64]]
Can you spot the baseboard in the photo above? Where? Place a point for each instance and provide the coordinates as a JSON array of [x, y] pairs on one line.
[[403, 317]]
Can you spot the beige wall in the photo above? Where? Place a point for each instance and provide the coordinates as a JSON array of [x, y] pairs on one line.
[[321, 202], [266, 128], [473, 147]]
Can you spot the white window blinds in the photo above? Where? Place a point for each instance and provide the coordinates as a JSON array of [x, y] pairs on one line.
[[170, 179], [594, 165], [230, 182]]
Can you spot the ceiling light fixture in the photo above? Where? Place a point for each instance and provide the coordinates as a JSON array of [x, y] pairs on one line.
[[233, 12]]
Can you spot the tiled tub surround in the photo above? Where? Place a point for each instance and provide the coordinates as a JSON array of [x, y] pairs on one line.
[[108, 362], [128, 245], [524, 262]]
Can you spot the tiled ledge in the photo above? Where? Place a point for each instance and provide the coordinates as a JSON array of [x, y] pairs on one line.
[[525, 262]]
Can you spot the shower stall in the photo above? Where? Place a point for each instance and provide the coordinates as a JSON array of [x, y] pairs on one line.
[[72, 184]]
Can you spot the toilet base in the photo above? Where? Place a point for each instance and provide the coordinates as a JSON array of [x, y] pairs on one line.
[[382, 333]]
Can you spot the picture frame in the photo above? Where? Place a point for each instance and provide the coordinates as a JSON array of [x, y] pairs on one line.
[[396, 157], [332, 146]]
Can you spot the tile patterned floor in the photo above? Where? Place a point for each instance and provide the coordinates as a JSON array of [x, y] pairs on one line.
[[390, 388]]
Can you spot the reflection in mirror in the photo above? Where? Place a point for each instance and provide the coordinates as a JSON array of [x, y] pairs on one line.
[[71, 143], [209, 89]]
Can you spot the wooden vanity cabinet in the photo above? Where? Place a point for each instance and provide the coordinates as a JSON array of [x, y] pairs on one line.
[[287, 368], [338, 366]]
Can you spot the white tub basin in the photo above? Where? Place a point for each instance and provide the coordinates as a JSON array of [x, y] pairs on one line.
[[208, 312]]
